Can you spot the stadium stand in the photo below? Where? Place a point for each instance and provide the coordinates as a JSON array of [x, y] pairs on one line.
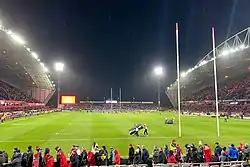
[[23, 76], [102, 106], [197, 83]]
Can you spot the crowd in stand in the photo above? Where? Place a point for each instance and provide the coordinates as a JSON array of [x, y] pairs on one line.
[[238, 89], [227, 109], [115, 107], [136, 155], [8, 92]]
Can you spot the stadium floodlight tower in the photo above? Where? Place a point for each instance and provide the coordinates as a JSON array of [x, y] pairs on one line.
[[59, 69], [159, 72]]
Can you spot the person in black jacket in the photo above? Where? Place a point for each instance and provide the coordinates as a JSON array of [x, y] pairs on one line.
[[24, 159], [104, 156], [131, 154], [16, 158], [217, 151], [83, 157], [161, 158], [2, 159], [74, 159], [6, 156], [145, 155], [29, 157]]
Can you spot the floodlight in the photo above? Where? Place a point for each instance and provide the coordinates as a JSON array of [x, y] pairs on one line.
[[59, 66], [42, 64], [158, 71], [17, 38], [242, 46], [28, 49], [46, 69], [225, 52], [183, 74], [34, 55]]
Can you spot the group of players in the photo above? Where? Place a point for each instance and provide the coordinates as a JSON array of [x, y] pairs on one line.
[[138, 128]]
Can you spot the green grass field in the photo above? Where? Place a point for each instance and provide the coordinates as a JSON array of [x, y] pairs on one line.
[[66, 129]]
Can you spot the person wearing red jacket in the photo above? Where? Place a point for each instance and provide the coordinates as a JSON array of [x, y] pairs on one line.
[[91, 158], [38, 160], [61, 158], [241, 147], [49, 160], [178, 154], [171, 157], [117, 158], [35, 160], [207, 153]]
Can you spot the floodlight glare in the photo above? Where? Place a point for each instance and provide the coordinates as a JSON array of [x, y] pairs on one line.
[[59, 66], [46, 69], [225, 52], [17, 39], [158, 70], [42, 64], [34, 55], [242, 46], [183, 74]]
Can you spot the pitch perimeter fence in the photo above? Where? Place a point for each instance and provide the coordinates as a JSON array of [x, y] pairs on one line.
[[214, 164]]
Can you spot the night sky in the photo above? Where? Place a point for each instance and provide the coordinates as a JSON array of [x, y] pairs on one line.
[[117, 43]]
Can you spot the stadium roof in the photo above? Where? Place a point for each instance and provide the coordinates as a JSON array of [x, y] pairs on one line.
[[232, 57], [19, 61]]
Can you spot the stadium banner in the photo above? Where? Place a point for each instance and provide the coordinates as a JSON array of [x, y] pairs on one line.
[[68, 99]]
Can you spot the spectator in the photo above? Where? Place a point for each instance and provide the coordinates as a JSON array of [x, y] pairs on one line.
[[48, 158], [224, 155], [207, 153], [91, 158], [104, 156], [217, 151], [74, 158], [112, 156], [200, 153], [138, 154], [117, 158], [61, 158], [155, 154], [29, 156], [16, 160], [166, 150], [145, 155], [246, 151], [161, 158], [24, 160], [83, 157], [171, 158], [2, 159], [233, 153], [6, 156], [131, 154]]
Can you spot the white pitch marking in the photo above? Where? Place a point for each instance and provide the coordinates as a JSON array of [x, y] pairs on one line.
[[82, 139]]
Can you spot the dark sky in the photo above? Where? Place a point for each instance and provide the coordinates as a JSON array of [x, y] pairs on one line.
[[117, 43]]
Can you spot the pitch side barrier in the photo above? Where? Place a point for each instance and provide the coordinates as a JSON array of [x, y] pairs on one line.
[[214, 164]]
